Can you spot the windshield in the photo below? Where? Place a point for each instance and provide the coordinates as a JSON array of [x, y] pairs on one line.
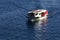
[[36, 13]]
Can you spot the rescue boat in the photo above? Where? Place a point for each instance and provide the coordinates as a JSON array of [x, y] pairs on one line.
[[39, 14]]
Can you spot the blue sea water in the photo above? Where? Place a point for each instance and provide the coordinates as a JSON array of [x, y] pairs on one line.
[[15, 26]]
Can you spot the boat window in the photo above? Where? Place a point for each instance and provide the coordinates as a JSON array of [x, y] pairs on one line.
[[42, 12], [39, 13], [36, 13]]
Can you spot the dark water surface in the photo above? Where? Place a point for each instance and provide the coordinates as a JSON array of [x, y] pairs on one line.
[[14, 24]]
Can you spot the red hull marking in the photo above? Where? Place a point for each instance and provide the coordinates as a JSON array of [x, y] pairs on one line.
[[46, 13]]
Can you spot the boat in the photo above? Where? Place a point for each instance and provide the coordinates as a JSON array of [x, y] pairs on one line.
[[36, 15]]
